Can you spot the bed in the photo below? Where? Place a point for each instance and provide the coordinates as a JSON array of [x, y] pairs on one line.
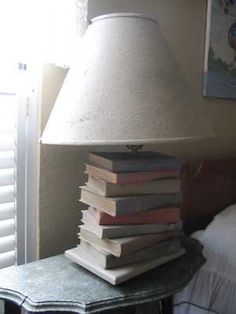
[[209, 212]]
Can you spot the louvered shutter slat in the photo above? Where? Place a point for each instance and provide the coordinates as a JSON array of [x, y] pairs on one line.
[[7, 259], [7, 159], [7, 180], [7, 244], [7, 176], [8, 137], [7, 194], [7, 211], [7, 227], [7, 141]]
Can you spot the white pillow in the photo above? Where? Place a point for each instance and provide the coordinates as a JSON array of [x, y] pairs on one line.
[[220, 234], [228, 214]]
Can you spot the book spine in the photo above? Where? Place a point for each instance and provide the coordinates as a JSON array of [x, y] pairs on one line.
[[155, 251], [130, 177], [138, 177], [128, 205], [144, 242], [152, 187], [109, 261], [162, 215], [119, 231], [129, 166], [146, 163]]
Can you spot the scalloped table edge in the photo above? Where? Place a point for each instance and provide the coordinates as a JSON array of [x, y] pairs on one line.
[[108, 304]]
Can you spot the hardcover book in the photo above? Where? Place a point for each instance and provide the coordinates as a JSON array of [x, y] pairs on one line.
[[116, 206], [104, 188], [153, 216], [118, 231], [109, 261], [130, 177], [118, 275], [122, 246], [125, 161]]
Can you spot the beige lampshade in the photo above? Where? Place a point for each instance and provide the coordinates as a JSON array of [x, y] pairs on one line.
[[124, 87]]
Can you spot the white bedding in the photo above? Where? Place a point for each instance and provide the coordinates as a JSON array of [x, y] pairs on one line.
[[213, 288]]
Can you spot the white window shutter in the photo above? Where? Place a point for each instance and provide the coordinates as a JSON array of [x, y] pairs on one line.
[[19, 160], [8, 136]]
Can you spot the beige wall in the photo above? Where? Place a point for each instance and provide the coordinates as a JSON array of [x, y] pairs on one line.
[[59, 180], [183, 25]]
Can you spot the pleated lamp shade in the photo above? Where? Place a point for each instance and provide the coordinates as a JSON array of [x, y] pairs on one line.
[[124, 87]]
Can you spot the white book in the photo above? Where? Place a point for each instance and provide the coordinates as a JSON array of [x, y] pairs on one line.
[[122, 246], [124, 205], [103, 188], [118, 231], [109, 261], [120, 274]]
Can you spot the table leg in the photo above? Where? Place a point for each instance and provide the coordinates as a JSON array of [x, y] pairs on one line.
[[167, 305], [11, 308], [146, 308], [122, 310], [149, 308]]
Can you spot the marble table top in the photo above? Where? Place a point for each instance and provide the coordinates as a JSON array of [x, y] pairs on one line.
[[57, 284]]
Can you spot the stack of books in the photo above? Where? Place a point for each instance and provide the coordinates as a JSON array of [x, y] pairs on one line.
[[133, 219]]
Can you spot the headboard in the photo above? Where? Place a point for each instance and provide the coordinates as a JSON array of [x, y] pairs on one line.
[[208, 187]]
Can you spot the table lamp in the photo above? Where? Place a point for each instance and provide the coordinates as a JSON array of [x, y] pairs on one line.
[[125, 88]]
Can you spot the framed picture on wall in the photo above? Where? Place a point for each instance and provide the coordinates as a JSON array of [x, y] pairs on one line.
[[220, 50]]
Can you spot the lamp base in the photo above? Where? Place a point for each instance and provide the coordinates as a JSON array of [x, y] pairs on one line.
[[141, 190]]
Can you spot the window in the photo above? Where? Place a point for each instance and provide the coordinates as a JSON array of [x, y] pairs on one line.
[[18, 162], [8, 134], [25, 37]]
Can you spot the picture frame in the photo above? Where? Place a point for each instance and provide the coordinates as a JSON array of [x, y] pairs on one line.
[[220, 50]]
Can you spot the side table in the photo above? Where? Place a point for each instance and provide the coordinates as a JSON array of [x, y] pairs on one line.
[[56, 284]]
